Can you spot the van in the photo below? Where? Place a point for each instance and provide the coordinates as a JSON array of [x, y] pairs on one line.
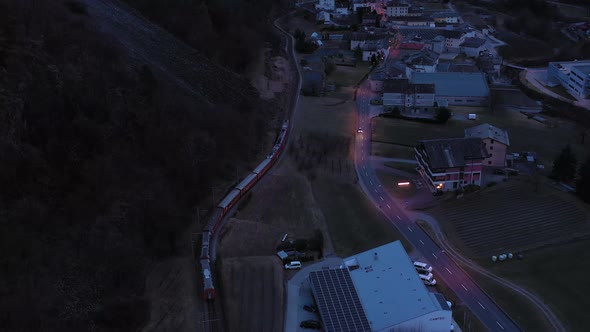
[[425, 276], [428, 279], [293, 265], [422, 267]]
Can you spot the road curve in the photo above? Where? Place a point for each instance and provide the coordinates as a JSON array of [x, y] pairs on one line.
[[482, 306]]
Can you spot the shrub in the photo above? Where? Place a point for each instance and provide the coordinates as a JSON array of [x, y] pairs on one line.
[[443, 114], [491, 184]]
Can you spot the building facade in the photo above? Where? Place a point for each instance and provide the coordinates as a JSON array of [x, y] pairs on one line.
[[397, 9], [329, 5], [495, 141], [406, 96], [459, 89], [574, 76], [449, 164]]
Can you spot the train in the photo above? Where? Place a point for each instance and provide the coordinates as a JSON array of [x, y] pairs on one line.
[[228, 202]]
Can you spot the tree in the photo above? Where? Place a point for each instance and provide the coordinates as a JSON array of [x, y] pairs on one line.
[[564, 166], [358, 53], [443, 114], [583, 182]]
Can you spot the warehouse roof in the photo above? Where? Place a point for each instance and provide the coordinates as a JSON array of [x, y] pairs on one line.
[[455, 84], [389, 287], [486, 130], [452, 152]]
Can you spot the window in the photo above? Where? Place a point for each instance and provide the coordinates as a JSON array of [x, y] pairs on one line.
[[489, 162], [490, 156], [491, 147], [491, 141]]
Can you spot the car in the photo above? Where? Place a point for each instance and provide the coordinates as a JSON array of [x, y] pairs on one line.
[[310, 308], [311, 324], [360, 130], [293, 265]]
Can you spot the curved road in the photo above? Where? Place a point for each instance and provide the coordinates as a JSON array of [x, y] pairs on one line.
[[488, 312]]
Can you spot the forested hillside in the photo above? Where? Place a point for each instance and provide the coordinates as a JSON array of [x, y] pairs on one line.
[[102, 161]]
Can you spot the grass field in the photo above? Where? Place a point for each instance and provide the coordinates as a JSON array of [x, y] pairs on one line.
[[524, 133], [406, 167], [391, 150], [549, 273], [348, 76], [353, 222]]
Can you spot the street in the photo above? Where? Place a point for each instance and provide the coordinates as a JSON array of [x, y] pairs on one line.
[[444, 268]]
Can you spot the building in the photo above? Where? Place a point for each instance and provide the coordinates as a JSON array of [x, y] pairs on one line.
[[328, 5], [387, 72], [453, 40], [473, 46], [460, 89], [404, 95], [424, 61], [360, 39], [341, 11], [495, 141], [451, 163], [438, 44], [574, 76], [397, 9], [446, 17], [378, 290]]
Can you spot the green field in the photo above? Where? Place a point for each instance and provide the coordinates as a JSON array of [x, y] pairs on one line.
[[524, 133], [348, 76], [354, 223]]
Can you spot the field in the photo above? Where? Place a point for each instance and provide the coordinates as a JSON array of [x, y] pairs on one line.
[[547, 273], [511, 217], [348, 76], [524, 133], [253, 290], [391, 150]]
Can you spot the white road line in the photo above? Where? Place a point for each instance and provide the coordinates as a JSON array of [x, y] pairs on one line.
[[398, 217], [481, 305], [375, 190], [388, 206], [410, 229], [381, 198], [448, 270], [465, 288], [434, 256], [371, 182], [422, 242], [364, 168], [502, 327], [366, 174]]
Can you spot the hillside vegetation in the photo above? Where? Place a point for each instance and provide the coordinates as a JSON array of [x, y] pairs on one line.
[[102, 162]]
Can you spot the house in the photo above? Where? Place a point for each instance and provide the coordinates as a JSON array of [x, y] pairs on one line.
[[341, 11], [412, 46], [397, 9], [322, 17], [464, 67], [450, 163], [453, 39], [459, 89], [328, 5], [424, 61], [438, 44], [404, 95], [415, 11], [446, 17], [377, 48], [418, 21], [386, 72], [473, 46], [370, 20], [361, 39], [574, 76], [495, 141]]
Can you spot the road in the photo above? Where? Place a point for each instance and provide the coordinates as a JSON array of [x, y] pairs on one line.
[[446, 270]]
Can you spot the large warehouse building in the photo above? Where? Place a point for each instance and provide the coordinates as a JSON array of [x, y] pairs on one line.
[[376, 291], [459, 89]]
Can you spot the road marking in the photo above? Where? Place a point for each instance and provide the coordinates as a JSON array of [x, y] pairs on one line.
[[434, 256], [448, 270], [381, 197], [481, 305], [371, 182], [398, 217], [410, 229], [375, 190], [422, 242], [366, 174], [388, 206], [465, 288], [502, 327], [364, 168]]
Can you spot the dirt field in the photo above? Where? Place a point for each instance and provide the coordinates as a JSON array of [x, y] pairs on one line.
[[524, 133], [253, 291], [511, 217]]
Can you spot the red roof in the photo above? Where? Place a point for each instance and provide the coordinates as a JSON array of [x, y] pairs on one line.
[[411, 46]]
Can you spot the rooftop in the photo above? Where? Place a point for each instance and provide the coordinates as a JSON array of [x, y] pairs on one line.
[[388, 286], [567, 66], [453, 152], [411, 46], [445, 14], [473, 42], [423, 58], [403, 86], [455, 84], [457, 67], [488, 131], [584, 69]]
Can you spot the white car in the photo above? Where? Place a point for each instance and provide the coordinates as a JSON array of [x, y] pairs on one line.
[[360, 130], [293, 265]]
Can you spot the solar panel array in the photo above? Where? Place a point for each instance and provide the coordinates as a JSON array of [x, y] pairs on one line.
[[338, 302]]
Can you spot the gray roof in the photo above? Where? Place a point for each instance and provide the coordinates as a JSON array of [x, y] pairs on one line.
[[403, 86], [452, 152], [486, 130], [456, 34], [391, 71], [455, 84], [425, 57], [473, 42], [388, 286], [457, 67]]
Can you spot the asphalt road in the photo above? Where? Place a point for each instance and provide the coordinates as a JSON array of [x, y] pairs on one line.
[[444, 269]]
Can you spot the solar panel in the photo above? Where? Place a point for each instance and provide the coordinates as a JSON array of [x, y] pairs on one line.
[[338, 302]]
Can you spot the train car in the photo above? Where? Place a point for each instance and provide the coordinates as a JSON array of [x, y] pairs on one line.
[[246, 184], [229, 200], [205, 245], [209, 292], [215, 219], [262, 168]]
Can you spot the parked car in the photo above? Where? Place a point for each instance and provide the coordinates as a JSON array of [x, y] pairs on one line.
[[311, 324], [310, 308], [293, 265], [360, 130]]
